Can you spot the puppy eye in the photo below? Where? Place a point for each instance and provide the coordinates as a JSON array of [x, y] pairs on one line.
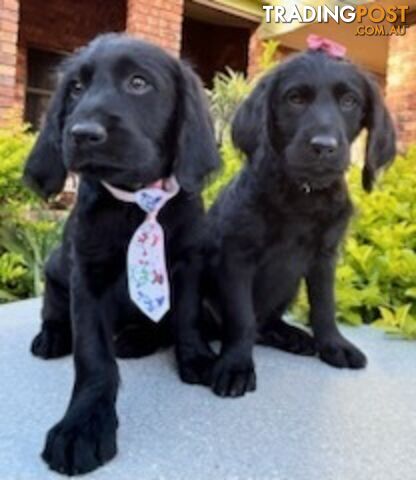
[[137, 85], [76, 88], [348, 101], [296, 98]]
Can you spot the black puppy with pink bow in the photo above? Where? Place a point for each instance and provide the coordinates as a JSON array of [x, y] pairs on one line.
[[283, 217], [132, 121]]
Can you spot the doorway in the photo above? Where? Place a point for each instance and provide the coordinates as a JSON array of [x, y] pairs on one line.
[[213, 40]]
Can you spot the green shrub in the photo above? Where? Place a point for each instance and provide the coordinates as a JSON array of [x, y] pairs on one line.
[[13, 284], [28, 241], [267, 59], [28, 230], [229, 89], [232, 161], [376, 272], [378, 264], [15, 144]]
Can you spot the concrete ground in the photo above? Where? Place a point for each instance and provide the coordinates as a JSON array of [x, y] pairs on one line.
[[306, 421]]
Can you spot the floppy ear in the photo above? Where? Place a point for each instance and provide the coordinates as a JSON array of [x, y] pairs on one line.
[[45, 172], [249, 123], [381, 141], [196, 150]]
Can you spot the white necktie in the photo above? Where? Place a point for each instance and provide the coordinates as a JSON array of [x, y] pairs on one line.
[[147, 274]]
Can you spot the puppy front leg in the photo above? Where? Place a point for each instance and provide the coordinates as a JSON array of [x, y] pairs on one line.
[[86, 437], [55, 337], [194, 356], [332, 347], [234, 373]]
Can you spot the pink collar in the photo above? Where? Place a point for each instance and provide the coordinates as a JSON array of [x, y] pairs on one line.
[[169, 186]]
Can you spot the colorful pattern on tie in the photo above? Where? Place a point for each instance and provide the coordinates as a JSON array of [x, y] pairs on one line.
[[146, 261], [147, 274]]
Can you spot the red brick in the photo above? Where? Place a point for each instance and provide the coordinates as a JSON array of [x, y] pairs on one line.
[[401, 85], [12, 5], [8, 70], [9, 15], [8, 59], [6, 81], [7, 37], [8, 54], [8, 26], [159, 22], [5, 4], [8, 48], [6, 102]]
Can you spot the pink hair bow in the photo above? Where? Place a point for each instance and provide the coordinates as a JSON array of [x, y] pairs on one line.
[[331, 48]]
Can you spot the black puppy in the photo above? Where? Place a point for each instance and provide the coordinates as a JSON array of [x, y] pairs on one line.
[[127, 113], [283, 217]]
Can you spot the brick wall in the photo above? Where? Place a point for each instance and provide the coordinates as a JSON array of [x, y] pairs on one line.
[[159, 21], [255, 51], [401, 85], [9, 18], [60, 28]]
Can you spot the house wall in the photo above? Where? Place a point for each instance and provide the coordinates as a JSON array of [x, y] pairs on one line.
[[255, 52], [59, 25], [60, 28], [9, 19], [401, 85], [159, 21]]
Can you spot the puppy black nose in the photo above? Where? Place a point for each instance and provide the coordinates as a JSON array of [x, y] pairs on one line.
[[89, 133], [324, 144]]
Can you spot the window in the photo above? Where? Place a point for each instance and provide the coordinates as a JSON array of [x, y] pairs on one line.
[[41, 82]]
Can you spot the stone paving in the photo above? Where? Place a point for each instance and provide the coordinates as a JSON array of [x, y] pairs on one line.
[[306, 421]]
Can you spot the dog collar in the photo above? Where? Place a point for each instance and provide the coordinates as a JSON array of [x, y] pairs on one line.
[[147, 275], [305, 188]]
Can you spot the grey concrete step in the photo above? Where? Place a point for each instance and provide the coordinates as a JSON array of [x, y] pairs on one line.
[[306, 421]]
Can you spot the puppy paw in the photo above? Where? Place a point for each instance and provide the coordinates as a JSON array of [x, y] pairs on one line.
[[75, 448], [288, 338], [340, 353], [52, 343], [196, 365], [233, 378]]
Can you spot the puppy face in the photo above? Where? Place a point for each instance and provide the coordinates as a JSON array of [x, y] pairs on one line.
[[317, 109], [312, 108], [127, 113], [120, 102]]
